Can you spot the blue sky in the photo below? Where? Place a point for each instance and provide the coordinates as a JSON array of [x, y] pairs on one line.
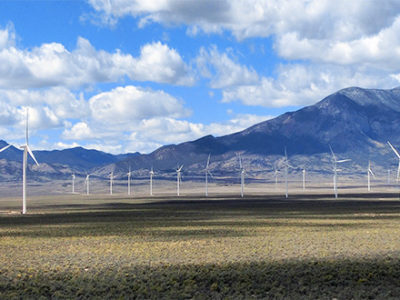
[[126, 76]]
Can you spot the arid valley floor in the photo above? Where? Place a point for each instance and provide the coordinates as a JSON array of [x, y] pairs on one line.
[[308, 246]]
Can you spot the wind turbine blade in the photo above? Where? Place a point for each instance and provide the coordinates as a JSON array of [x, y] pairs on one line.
[[210, 174], [6, 147], [240, 161], [333, 154], [208, 160], [372, 173], [31, 154], [394, 149], [343, 160]]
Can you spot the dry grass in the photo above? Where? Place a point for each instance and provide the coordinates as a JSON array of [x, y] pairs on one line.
[[252, 248]]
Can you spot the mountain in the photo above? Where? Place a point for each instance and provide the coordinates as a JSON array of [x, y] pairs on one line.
[[356, 122]]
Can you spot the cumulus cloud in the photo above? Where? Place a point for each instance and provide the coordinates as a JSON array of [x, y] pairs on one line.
[[339, 19], [52, 65], [223, 69], [128, 105]]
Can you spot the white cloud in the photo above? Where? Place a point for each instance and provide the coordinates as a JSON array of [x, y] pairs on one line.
[[298, 85], [223, 70], [53, 65], [341, 19], [80, 131], [126, 106]]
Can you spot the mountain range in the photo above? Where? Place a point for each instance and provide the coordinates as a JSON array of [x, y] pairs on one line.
[[355, 122]]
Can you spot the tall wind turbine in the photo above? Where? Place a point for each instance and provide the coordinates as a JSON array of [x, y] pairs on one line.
[[73, 183], [398, 156], [129, 180], [111, 182], [369, 173], [25, 163], [151, 173], [87, 184], [304, 179], [178, 179], [207, 172], [242, 172], [335, 170]]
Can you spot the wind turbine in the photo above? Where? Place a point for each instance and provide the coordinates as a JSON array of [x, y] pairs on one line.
[[398, 156], [304, 179], [111, 182], [335, 170], [276, 176], [4, 148], [151, 181], [73, 183], [178, 179], [286, 163], [207, 171], [129, 180], [369, 173], [25, 163], [242, 172], [87, 184]]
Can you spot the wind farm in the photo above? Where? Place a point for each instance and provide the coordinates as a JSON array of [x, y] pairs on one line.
[[199, 149]]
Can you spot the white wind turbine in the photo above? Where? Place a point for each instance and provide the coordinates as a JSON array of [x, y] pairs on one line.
[[25, 163], [335, 170], [276, 172], [369, 173], [151, 173], [129, 180], [286, 164], [73, 183], [207, 172], [398, 156], [111, 182], [4, 148], [242, 172], [178, 179], [87, 182]]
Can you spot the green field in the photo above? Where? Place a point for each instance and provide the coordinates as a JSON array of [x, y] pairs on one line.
[[260, 247]]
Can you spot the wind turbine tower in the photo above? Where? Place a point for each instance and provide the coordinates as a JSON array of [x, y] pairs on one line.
[[369, 173], [129, 181], [286, 163], [111, 182], [178, 180], [151, 181], [242, 172], [207, 172], [398, 156], [73, 183], [335, 170], [87, 184], [25, 163]]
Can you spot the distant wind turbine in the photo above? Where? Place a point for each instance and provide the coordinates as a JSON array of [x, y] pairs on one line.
[[111, 182], [73, 183], [178, 179], [129, 180], [151, 173], [335, 170], [369, 173], [87, 182], [242, 172], [398, 156], [287, 165], [207, 172], [25, 163]]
